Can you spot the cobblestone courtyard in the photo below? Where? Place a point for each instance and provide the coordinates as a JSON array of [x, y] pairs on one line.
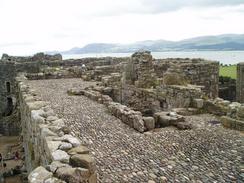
[[207, 153]]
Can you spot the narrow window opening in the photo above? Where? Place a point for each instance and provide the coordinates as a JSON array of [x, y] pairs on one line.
[[8, 87]]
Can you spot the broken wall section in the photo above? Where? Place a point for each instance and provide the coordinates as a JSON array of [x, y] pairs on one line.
[[196, 71], [150, 86]]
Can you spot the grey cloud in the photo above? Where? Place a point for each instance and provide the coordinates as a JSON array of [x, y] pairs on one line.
[[160, 6], [157, 6]]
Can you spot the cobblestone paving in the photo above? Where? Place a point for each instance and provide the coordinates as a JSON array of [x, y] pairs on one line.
[[208, 153]]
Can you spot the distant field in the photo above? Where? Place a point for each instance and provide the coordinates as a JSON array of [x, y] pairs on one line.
[[229, 71]]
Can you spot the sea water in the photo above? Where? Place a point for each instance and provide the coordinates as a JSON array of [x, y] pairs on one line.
[[224, 57]]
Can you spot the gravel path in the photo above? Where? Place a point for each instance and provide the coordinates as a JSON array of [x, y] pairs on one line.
[[208, 153]]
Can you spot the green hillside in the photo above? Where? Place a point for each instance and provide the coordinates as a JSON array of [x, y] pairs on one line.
[[229, 71]]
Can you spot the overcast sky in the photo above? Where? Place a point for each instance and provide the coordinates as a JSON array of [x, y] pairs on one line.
[[29, 26]]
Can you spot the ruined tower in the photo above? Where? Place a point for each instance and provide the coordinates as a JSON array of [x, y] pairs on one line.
[[140, 70], [8, 113]]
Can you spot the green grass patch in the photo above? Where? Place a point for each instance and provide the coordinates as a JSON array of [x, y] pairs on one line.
[[229, 71]]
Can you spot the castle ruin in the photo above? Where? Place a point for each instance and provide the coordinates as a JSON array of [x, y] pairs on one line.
[[93, 123]]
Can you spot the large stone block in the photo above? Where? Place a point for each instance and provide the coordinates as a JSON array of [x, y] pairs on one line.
[[164, 119], [39, 175], [69, 138], [138, 123], [68, 174], [36, 117], [149, 123], [84, 161], [79, 150], [198, 103], [61, 156], [55, 165]]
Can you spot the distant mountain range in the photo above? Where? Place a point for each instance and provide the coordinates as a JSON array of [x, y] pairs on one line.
[[226, 42]]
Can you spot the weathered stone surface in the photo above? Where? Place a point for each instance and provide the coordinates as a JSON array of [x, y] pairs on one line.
[[46, 132], [149, 123], [39, 112], [66, 130], [240, 112], [127, 115], [53, 145], [36, 105], [167, 119], [211, 107], [186, 111], [229, 122], [73, 175], [78, 150], [39, 175], [107, 91], [53, 167], [198, 103], [65, 146], [48, 112], [75, 91], [84, 173], [52, 118], [68, 174], [83, 160], [138, 123], [184, 125], [93, 178], [239, 83], [53, 180], [61, 156], [174, 79], [69, 138], [35, 116]]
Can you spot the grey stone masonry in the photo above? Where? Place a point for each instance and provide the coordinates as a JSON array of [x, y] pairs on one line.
[[240, 83]]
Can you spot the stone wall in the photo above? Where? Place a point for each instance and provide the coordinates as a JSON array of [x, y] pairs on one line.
[[196, 71], [37, 57], [240, 83], [7, 75], [135, 119], [8, 102], [227, 88], [231, 113], [143, 87], [149, 101], [10, 66], [139, 70], [52, 152]]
